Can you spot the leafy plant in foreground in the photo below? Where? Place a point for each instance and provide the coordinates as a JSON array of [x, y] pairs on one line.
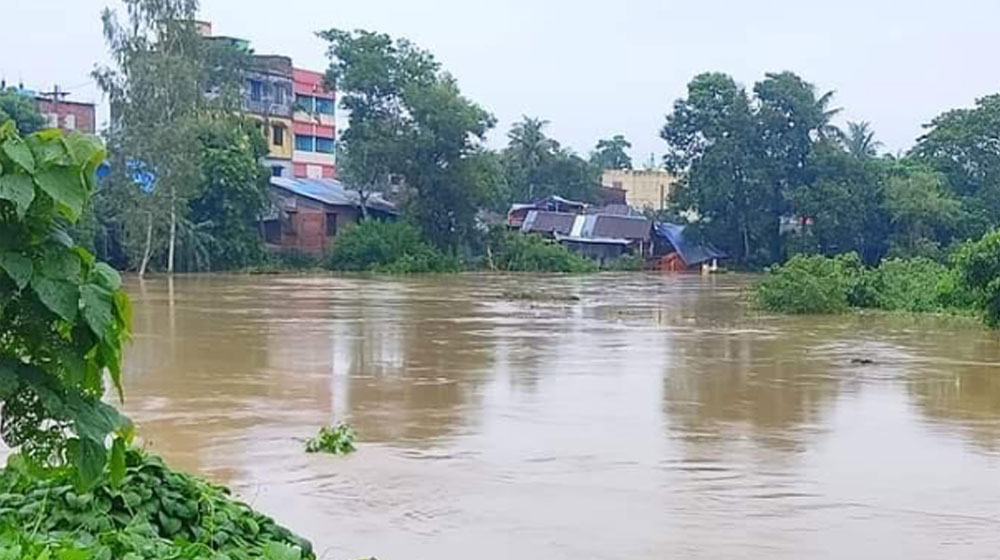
[[336, 441], [63, 316]]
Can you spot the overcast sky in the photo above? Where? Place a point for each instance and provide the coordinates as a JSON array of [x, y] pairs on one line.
[[594, 69]]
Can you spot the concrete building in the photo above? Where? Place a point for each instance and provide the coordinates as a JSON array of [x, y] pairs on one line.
[[67, 115], [269, 98], [644, 189], [315, 130]]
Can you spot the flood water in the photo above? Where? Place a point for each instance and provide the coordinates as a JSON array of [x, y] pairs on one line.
[[656, 417]]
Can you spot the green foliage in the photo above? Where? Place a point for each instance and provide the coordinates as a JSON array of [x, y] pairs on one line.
[[978, 265], [513, 252], [292, 259], [916, 285], [21, 108], [150, 513], [387, 247], [536, 166], [335, 441], [806, 285], [612, 154], [63, 316]]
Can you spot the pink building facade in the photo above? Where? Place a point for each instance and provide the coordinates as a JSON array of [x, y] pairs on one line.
[[314, 127]]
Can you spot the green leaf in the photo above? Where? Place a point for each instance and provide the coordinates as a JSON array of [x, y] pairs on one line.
[[82, 148], [18, 151], [18, 189], [59, 264], [117, 461], [97, 307], [113, 360], [106, 277], [18, 268], [9, 382], [89, 458], [123, 311], [281, 551], [61, 297], [63, 184]]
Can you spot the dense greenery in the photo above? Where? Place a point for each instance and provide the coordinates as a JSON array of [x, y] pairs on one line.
[[151, 513], [337, 440], [16, 106], [513, 252], [979, 269], [393, 247], [171, 92], [536, 166], [612, 153], [63, 316]]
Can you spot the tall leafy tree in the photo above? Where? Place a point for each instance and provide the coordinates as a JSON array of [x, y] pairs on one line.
[[924, 215], [164, 79], [528, 150], [611, 153], [22, 109], [713, 147]]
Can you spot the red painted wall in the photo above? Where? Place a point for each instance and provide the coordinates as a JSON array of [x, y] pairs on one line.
[[86, 120]]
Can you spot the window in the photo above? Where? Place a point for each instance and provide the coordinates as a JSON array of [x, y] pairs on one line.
[[331, 225], [303, 143], [256, 90], [69, 121], [304, 103], [278, 135], [314, 171], [51, 120], [288, 223], [277, 170], [324, 106], [324, 145], [279, 94]]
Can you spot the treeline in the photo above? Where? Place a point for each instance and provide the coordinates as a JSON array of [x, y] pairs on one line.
[[766, 175]]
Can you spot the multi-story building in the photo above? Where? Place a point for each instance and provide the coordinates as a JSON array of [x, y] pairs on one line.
[[644, 189], [269, 98], [315, 129], [67, 115]]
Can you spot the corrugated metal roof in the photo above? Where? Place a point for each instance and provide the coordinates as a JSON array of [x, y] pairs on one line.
[[692, 253], [538, 221], [616, 227], [329, 191]]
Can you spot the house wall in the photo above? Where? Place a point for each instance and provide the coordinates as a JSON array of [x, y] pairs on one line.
[[303, 222], [315, 126], [69, 115], [644, 189]]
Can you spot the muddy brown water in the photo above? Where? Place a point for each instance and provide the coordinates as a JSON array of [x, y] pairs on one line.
[[656, 417]]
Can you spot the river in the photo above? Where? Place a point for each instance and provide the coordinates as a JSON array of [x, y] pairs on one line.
[[655, 417]]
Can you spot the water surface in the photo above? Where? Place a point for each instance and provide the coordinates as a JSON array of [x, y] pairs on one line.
[[656, 417]]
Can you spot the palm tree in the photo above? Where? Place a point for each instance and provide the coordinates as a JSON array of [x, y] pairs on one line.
[[827, 130], [528, 147], [860, 140]]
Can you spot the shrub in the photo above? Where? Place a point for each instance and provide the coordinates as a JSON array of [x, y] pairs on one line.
[[915, 285], [392, 247], [293, 259], [978, 265], [152, 513], [808, 284], [335, 441], [514, 252]]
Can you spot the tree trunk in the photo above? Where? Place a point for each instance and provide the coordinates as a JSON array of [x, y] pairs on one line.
[[173, 230], [149, 245], [746, 244]]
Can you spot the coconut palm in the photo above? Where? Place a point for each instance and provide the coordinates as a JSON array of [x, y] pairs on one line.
[[860, 140], [827, 130], [528, 147]]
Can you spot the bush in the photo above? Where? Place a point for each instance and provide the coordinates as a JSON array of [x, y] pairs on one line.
[[916, 285], [153, 513], [390, 247], [978, 265], [335, 441], [293, 259], [809, 284], [514, 252]]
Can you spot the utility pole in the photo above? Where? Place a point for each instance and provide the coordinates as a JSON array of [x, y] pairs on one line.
[[57, 95]]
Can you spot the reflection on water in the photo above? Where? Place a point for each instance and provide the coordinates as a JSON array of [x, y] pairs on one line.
[[655, 417]]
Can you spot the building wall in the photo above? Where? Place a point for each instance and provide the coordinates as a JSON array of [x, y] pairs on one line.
[[303, 223], [315, 126], [69, 115], [644, 189], [276, 150]]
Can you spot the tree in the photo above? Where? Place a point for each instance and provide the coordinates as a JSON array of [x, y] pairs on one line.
[[860, 140], [408, 118], [924, 215], [371, 72], [165, 78], [22, 109], [964, 145], [233, 192], [611, 154], [713, 148], [528, 150], [64, 318]]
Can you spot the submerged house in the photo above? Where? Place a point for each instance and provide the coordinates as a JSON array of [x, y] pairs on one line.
[[519, 212], [308, 214], [676, 251], [606, 237]]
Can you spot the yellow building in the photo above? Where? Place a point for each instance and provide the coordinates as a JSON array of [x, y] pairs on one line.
[[644, 188]]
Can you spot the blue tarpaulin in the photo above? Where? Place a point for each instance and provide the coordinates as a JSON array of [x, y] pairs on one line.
[[693, 253]]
